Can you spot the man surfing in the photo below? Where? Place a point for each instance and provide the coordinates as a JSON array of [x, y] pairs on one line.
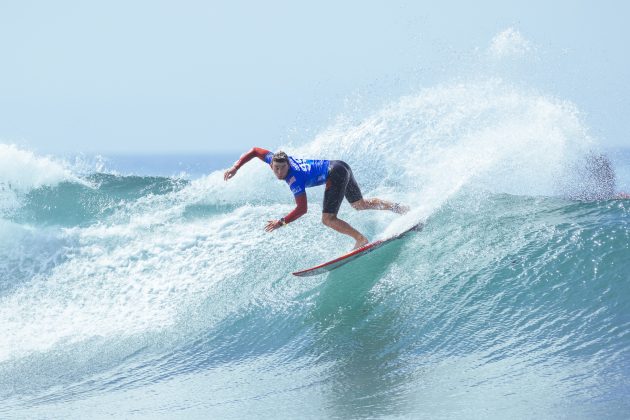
[[300, 174]]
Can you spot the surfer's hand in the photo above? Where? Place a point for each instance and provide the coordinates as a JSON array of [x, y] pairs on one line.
[[273, 225], [229, 173]]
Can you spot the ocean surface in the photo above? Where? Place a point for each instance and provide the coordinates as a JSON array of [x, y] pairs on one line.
[[146, 287]]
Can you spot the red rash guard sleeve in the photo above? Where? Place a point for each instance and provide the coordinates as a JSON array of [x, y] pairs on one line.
[[299, 210], [254, 152]]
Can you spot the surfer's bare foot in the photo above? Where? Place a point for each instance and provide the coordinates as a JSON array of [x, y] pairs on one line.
[[362, 241], [400, 208]]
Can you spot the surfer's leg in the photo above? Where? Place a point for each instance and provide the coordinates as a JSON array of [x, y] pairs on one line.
[[333, 196], [378, 204], [332, 221]]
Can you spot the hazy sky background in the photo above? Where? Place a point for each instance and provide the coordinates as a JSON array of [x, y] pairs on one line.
[[201, 76]]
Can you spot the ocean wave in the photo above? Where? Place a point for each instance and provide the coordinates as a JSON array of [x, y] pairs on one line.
[[126, 281], [499, 276]]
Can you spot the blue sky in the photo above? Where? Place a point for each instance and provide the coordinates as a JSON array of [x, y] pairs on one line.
[[198, 76]]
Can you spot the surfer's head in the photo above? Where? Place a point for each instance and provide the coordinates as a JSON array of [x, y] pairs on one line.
[[280, 164]]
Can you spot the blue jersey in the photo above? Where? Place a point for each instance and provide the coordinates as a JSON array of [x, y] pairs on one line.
[[304, 173]]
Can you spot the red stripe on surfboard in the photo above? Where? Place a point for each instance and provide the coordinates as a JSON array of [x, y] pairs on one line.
[[343, 257]]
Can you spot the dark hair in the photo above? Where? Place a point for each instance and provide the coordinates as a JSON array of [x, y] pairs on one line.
[[280, 157]]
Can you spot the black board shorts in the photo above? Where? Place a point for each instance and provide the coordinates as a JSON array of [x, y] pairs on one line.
[[340, 184]]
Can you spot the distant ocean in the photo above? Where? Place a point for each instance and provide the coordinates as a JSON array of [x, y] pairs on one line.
[[145, 286], [172, 165]]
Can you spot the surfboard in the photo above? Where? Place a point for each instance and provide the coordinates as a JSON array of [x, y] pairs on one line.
[[353, 255]]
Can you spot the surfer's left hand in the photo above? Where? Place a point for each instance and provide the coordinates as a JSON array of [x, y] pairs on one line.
[[273, 225]]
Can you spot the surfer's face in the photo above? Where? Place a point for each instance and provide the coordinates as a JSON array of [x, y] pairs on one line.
[[280, 169]]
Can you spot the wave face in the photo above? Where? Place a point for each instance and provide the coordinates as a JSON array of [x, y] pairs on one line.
[[158, 297]]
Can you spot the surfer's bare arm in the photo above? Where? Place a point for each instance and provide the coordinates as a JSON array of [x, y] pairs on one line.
[[301, 207], [258, 152]]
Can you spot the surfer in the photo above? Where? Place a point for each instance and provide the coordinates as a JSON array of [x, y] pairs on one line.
[[300, 174]]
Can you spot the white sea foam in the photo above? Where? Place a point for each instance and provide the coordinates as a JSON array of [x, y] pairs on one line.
[[509, 43], [424, 148], [122, 282]]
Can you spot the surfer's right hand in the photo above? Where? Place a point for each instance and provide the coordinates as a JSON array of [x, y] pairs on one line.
[[229, 173]]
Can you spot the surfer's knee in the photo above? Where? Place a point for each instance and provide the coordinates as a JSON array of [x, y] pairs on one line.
[[328, 218]]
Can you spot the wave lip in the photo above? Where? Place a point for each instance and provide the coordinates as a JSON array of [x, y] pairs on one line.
[[22, 171]]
